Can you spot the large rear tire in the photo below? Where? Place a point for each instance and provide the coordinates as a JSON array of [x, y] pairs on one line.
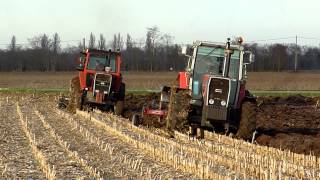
[[178, 109], [76, 100], [248, 120]]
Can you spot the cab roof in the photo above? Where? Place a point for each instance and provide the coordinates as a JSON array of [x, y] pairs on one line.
[[216, 44], [100, 51]]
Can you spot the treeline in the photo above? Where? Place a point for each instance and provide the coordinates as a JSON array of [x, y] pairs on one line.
[[44, 53], [282, 57], [157, 52]]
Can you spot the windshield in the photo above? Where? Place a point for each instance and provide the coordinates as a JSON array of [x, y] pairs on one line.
[[210, 60], [98, 62]]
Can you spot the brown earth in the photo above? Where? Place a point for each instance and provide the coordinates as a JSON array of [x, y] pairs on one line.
[[291, 123]]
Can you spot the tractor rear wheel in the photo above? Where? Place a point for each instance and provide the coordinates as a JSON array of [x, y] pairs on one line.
[[247, 123], [76, 100], [178, 109]]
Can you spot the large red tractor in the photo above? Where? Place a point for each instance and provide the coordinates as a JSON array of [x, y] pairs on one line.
[[211, 93], [99, 82]]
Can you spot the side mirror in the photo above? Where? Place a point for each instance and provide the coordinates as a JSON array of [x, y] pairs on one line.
[[80, 67], [82, 59], [184, 51], [248, 57]]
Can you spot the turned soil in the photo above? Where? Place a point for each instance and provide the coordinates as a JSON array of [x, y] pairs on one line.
[[291, 123]]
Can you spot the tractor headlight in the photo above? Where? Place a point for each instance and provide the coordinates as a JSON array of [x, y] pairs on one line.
[[211, 101], [223, 103]]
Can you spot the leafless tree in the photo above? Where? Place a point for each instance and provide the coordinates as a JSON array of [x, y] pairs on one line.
[[114, 42], [13, 44], [55, 45], [129, 43], [35, 42], [92, 41], [102, 42], [117, 42], [166, 39], [152, 38], [45, 42]]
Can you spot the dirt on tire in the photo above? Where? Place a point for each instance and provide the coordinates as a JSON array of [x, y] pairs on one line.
[[178, 109], [75, 92], [248, 120]]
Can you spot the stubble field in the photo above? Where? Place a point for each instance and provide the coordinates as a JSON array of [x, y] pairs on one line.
[[40, 141]]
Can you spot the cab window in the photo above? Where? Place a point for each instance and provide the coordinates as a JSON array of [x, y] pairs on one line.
[[98, 62]]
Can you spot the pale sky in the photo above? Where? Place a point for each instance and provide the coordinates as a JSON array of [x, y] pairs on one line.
[[186, 20]]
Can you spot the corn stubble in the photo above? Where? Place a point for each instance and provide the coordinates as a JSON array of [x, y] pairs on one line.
[[96, 141]]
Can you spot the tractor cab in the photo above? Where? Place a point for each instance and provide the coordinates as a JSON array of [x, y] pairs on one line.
[[215, 78], [100, 77], [211, 91], [208, 60], [93, 62]]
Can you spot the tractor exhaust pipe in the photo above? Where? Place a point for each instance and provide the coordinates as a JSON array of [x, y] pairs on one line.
[[227, 57]]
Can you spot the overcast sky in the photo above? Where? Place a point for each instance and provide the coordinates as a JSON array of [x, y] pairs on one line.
[[186, 20]]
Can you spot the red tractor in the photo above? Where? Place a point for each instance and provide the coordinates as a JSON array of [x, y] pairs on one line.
[[99, 82], [211, 93]]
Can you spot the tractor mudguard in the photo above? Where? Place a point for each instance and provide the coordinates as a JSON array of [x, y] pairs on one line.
[[183, 80]]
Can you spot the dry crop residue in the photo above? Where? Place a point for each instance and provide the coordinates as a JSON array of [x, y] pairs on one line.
[[98, 145], [70, 146]]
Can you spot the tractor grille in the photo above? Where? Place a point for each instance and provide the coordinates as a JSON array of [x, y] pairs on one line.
[[218, 91], [102, 83], [217, 113]]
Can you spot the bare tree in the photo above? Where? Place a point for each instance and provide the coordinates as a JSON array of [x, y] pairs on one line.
[[114, 42], [82, 44], [35, 42], [56, 43], [152, 39], [45, 42], [167, 39], [129, 43], [55, 50], [13, 44], [102, 42], [92, 41], [117, 42]]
